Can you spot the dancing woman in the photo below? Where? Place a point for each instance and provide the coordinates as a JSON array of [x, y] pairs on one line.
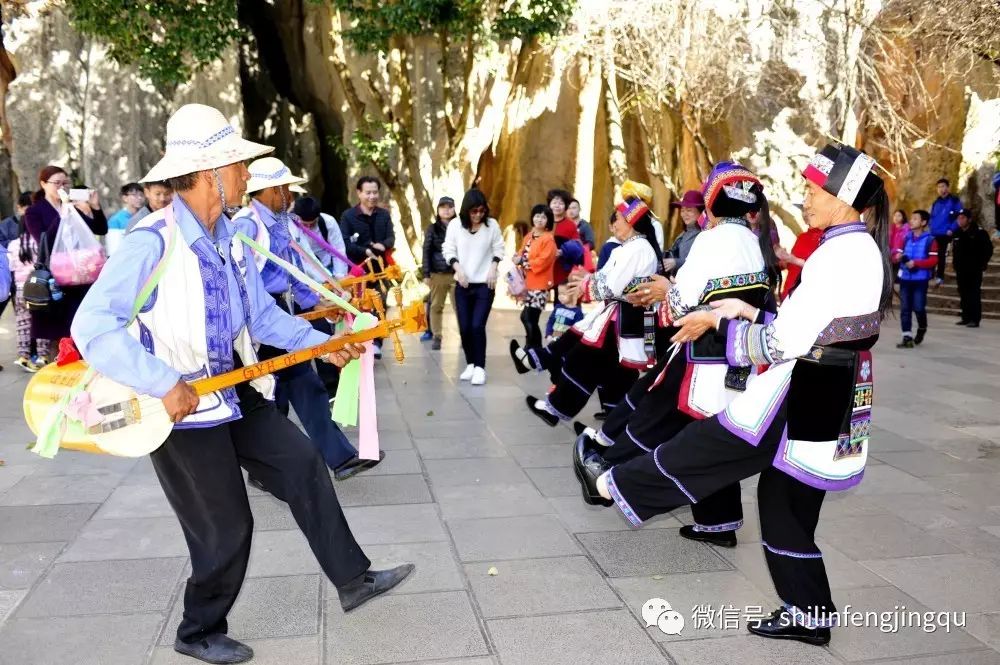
[[615, 339], [803, 424], [726, 261]]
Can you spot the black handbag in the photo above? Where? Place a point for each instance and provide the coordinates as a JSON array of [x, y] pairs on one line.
[[41, 290]]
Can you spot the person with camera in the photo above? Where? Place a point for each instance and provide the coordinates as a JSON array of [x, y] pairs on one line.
[[916, 259]]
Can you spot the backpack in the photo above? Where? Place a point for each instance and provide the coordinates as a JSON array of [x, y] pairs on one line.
[[40, 290]]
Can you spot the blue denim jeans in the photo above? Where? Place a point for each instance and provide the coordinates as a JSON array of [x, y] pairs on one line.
[[913, 300], [306, 393]]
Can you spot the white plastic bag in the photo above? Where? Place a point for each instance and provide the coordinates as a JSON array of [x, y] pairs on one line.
[[77, 256]]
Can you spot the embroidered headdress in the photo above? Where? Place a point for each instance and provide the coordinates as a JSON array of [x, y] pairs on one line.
[[732, 179], [845, 173], [632, 210]]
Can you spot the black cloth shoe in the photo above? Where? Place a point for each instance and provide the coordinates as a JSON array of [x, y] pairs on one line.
[[907, 343], [921, 333], [961, 322], [519, 364], [720, 538], [373, 583], [215, 648], [436, 344], [781, 626], [549, 419], [588, 466], [972, 324], [356, 465], [578, 427], [601, 415]]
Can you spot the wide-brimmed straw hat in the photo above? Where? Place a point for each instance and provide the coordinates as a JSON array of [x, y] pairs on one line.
[[200, 138], [270, 172]]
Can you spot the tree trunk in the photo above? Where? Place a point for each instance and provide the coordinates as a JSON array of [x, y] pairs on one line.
[[9, 188]]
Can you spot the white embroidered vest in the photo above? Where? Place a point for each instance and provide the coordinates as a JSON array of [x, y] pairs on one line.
[[172, 324], [263, 236]]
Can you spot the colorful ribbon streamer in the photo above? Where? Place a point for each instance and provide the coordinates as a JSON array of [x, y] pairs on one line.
[[355, 269]]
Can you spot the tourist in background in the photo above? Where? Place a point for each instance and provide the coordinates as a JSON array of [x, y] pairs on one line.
[[583, 227], [42, 218], [897, 232], [314, 226], [807, 243], [609, 246], [22, 254], [536, 260], [942, 225], [564, 228], [971, 253], [10, 229], [158, 195], [438, 275], [474, 248], [691, 206], [132, 199], [917, 260]]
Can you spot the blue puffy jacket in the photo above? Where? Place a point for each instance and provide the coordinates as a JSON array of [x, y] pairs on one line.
[[923, 252], [943, 214]]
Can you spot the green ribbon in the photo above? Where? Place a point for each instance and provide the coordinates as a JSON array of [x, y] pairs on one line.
[[345, 404]]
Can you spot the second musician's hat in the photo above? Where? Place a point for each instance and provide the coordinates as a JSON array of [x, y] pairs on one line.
[[270, 172]]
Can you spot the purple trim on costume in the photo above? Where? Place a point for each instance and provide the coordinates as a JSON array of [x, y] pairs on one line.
[[554, 411], [537, 365], [794, 555], [752, 438], [604, 439], [620, 501], [636, 441], [811, 620], [629, 402], [672, 479], [218, 337], [728, 526], [842, 229], [573, 381], [736, 345], [769, 317], [812, 480], [146, 337]]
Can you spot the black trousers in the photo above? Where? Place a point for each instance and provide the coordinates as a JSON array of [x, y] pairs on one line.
[[942, 247], [970, 290], [649, 417], [705, 458], [551, 357], [585, 369], [472, 309], [199, 470], [532, 331]]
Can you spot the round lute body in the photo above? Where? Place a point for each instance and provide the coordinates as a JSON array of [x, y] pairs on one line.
[[119, 421]]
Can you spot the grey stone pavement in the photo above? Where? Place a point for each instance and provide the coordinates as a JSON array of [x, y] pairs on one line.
[[92, 561]]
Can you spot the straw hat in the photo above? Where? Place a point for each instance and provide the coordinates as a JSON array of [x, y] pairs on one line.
[[200, 138], [270, 172]]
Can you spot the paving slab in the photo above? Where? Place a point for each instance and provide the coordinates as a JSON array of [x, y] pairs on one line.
[[23, 563], [459, 448], [278, 553], [27, 524], [539, 586], [378, 525], [104, 587], [404, 628], [40, 490], [649, 552], [747, 649], [503, 538], [137, 538], [493, 500], [950, 582], [83, 640], [880, 537], [457, 472], [367, 489], [279, 651]]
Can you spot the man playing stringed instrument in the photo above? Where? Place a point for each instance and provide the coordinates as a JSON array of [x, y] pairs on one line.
[[208, 307], [266, 220]]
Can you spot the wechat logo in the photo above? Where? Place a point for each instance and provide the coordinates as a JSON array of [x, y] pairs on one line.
[[657, 612]]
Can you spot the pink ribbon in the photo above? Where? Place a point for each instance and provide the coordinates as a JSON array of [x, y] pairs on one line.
[[82, 409], [355, 269], [368, 443]]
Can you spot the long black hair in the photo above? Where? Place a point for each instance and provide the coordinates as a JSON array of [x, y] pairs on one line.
[[473, 198], [877, 218], [727, 206]]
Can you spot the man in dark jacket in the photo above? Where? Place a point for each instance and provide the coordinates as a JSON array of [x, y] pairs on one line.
[[943, 212], [367, 231], [972, 249], [438, 275]]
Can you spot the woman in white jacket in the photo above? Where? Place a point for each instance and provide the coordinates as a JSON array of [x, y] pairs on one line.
[[474, 250]]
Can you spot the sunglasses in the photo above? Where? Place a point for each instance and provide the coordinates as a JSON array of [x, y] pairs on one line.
[[477, 211]]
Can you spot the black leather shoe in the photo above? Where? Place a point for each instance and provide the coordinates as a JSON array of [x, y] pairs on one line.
[[972, 324], [519, 364], [921, 333], [550, 419], [588, 466], [601, 415], [215, 648], [961, 322], [720, 538], [780, 626], [356, 465], [372, 583]]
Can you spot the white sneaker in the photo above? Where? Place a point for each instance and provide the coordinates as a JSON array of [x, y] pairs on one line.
[[478, 376], [467, 374]]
